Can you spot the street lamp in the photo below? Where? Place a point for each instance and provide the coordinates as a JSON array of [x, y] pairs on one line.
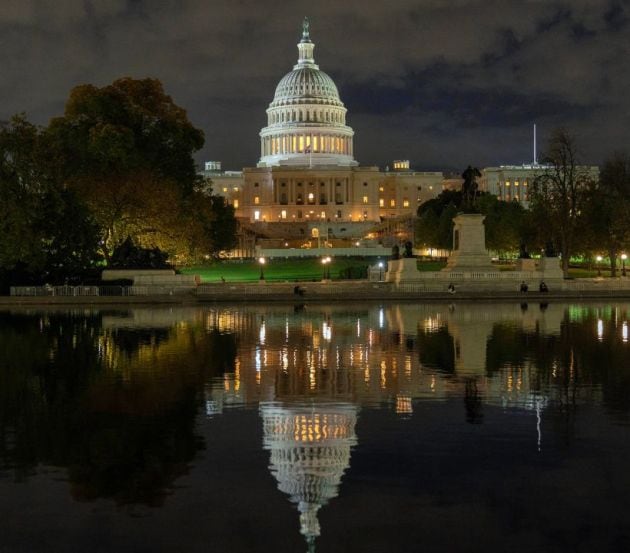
[[262, 262], [599, 268], [380, 271], [623, 264], [325, 262]]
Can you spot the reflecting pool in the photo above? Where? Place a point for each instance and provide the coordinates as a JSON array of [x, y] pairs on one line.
[[329, 428]]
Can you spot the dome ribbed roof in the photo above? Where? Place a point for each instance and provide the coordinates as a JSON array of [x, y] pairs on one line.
[[306, 83]]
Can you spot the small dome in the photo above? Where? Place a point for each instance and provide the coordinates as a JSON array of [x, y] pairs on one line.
[[306, 83]]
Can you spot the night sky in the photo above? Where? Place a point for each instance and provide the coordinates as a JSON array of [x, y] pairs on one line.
[[443, 83]]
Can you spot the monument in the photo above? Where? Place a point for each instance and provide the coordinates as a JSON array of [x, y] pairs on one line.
[[469, 234]]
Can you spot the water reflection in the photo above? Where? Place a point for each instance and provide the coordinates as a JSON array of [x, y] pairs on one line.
[[309, 449], [117, 398]]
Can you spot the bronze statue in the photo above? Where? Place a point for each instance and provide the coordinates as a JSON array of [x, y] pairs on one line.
[[395, 252], [469, 188], [408, 249]]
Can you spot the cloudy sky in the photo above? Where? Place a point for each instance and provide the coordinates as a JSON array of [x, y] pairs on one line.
[[441, 82]]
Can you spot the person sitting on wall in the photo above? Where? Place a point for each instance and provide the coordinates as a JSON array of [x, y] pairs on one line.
[[543, 287], [451, 288], [524, 287]]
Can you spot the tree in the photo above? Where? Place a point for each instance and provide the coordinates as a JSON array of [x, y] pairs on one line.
[[557, 195], [37, 243], [434, 228], [506, 224], [126, 149], [607, 211]]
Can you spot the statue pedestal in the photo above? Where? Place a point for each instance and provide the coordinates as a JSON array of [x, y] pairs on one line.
[[526, 265], [404, 269], [469, 245], [550, 267]]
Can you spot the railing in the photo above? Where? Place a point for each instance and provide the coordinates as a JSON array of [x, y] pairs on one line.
[[92, 291]]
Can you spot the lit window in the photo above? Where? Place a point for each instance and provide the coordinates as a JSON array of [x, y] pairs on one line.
[[405, 202], [380, 188], [516, 196], [236, 189], [235, 204], [256, 200], [392, 203], [311, 197], [524, 183], [283, 214], [507, 183], [225, 190], [323, 214], [365, 199], [516, 183], [256, 215], [381, 202]]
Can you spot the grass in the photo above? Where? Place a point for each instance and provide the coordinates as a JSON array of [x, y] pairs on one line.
[[307, 269]]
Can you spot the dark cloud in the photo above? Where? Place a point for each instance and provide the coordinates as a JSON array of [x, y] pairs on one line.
[[441, 82]]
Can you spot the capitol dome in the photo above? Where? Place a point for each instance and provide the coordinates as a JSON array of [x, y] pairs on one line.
[[306, 119]]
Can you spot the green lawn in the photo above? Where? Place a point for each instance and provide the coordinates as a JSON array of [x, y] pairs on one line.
[[308, 269]]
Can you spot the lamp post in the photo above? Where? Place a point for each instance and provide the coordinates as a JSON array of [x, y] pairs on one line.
[[380, 271], [623, 264], [262, 262], [325, 262], [599, 267]]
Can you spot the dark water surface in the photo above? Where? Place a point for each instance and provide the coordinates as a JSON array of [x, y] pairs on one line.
[[354, 428]]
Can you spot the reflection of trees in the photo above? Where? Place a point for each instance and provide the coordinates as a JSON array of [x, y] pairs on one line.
[[437, 350], [121, 419], [572, 363]]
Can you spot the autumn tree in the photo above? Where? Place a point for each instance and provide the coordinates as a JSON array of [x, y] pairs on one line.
[[127, 148], [558, 193]]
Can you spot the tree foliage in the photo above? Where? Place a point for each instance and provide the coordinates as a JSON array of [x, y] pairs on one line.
[[607, 210], [46, 232]]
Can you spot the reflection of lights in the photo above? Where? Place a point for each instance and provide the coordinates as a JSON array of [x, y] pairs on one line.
[[358, 328], [433, 383], [262, 334], [383, 375], [285, 360], [431, 324], [408, 366], [624, 331], [403, 405], [600, 330], [258, 361], [381, 318], [326, 331]]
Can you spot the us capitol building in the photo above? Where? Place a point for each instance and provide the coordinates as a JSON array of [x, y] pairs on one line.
[[307, 177], [307, 183]]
